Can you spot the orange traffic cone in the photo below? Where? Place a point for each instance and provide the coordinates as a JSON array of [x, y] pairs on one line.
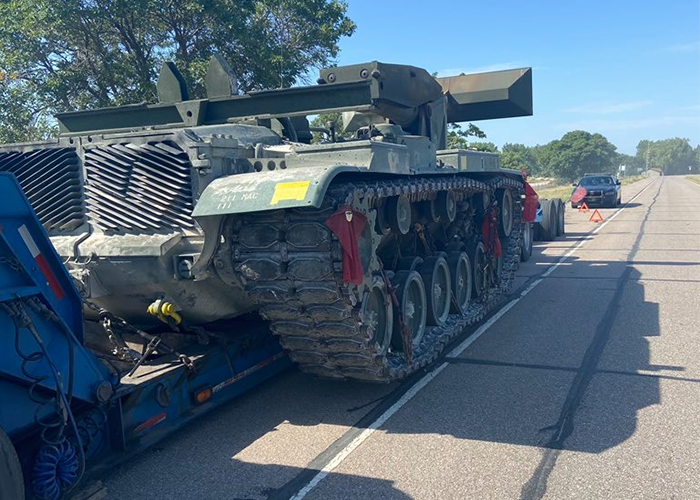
[[584, 208], [596, 217]]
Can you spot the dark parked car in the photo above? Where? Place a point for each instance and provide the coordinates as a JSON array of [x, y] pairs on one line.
[[602, 190]]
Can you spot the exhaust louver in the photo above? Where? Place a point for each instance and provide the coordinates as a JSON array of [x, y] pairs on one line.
[[51, 180], [139, 187]]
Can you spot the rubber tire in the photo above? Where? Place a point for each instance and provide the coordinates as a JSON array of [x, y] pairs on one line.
[[526, 249], [536, 232], [429, 271], [548, 226], [399, 281], [561, 214], [11, 478]]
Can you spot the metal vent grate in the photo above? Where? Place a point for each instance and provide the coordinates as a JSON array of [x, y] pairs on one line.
[[51, 180], [139, 187]]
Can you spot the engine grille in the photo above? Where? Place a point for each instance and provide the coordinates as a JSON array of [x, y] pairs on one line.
[[51, 180], [139, 187]]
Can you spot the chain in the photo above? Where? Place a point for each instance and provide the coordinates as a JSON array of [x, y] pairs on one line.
[[12, 262]]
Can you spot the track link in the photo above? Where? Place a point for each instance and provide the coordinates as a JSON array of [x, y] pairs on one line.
[[291, 265]]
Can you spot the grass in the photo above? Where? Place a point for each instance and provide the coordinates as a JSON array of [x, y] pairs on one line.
[[694, 178], [563, 191], [631, 179]]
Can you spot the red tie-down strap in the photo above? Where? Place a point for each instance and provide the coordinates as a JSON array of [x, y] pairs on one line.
[[489, 231], [530, 205], [347, 224]]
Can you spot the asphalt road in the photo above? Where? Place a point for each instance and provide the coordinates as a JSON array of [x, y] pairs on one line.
[[587, 386]]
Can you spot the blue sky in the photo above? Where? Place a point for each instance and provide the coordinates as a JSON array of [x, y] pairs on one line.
[[628, 70]]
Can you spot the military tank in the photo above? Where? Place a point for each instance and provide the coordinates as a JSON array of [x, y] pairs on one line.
[[367, 250]]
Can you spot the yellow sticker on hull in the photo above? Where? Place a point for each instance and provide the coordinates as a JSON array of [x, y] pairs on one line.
[[285, 191]]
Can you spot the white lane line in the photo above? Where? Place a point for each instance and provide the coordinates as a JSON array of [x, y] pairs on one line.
[[428, 377], [596, 230]]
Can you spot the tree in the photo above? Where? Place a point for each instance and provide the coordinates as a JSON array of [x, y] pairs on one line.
[[673, 156], [631, 163], [488, 147], [458, 138], [322, 121], [576, 153], [74, 54], [519, 157]]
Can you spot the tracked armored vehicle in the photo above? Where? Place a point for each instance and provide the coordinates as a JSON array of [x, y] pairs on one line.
[[367, 250]]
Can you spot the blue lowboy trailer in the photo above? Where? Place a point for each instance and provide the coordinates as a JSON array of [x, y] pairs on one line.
[[68, 411]]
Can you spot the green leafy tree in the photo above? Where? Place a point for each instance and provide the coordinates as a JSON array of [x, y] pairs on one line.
[[631, 163], [519, 157], [458, 138], [74, 54], [488, 147], [323, 120], [576, 153], [672, 156]]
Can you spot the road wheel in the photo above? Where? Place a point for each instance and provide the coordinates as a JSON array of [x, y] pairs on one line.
[[496, 270], [480, 269], [505, 206], [377, 315], [11, 479], [526, 249], [447, 206], [398, 214], [548, 226], [438, 288], [410, 292], [461, 271]]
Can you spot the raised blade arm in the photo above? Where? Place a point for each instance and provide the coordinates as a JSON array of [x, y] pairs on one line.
[[405, 95]]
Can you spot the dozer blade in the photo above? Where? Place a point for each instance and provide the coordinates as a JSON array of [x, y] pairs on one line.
[[487, 96]]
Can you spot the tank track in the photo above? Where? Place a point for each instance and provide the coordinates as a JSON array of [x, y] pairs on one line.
[[291, 265]]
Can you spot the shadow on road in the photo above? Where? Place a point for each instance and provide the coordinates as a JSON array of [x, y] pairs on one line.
[[523, 384]]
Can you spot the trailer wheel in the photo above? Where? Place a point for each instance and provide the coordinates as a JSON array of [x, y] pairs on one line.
[[11, 480], [548, 226], [561, 222]]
